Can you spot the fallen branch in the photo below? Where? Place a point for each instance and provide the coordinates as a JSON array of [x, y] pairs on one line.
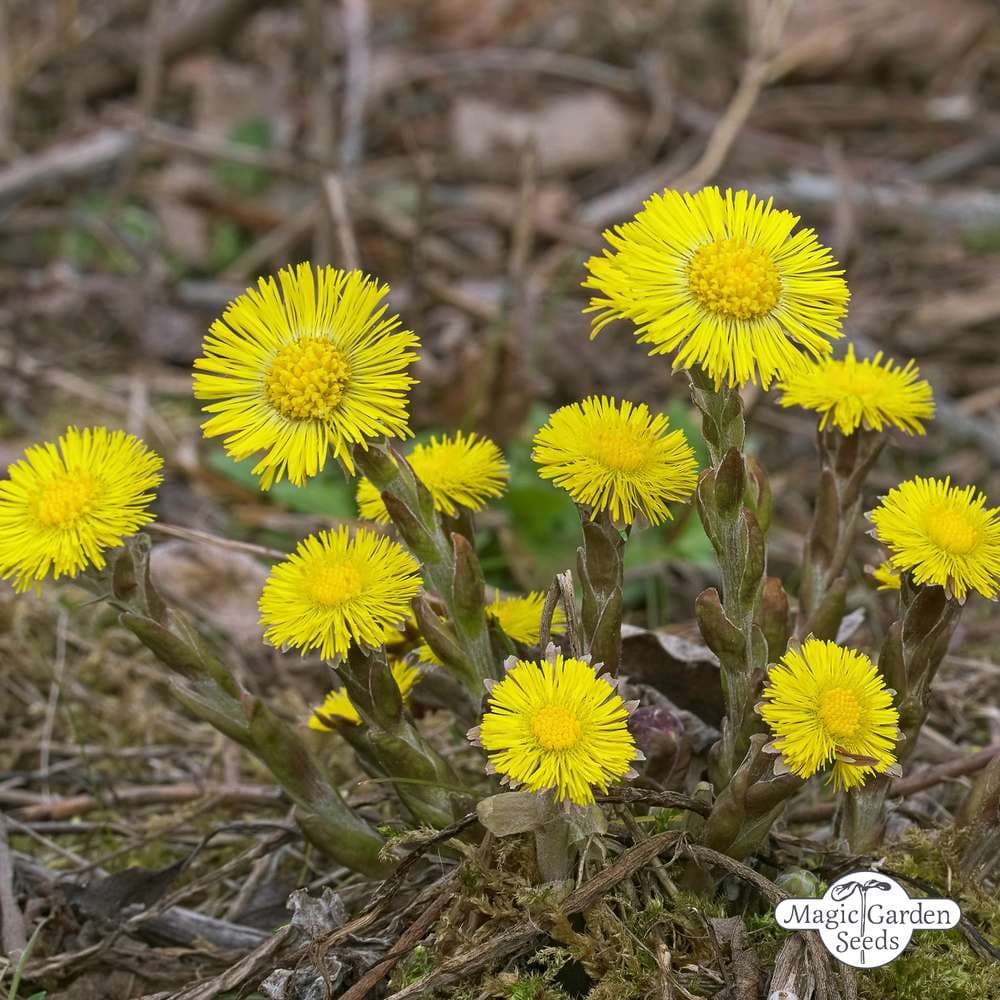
[[409, 940], [647, 797], [68, 161], [907, 786], [14, 939], [141, 795]]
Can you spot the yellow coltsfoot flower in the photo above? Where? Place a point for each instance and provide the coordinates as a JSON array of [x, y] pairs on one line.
[[304, 368], [828, 704], [885, 576], [557, 725], [871, 394], [64, 505], [338, 705], [944, 535], [336, 589], [616, 457], [520, 617], [460, 470], [723, 283]]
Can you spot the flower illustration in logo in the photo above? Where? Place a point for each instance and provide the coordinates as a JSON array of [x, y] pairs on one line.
[[866, 919]]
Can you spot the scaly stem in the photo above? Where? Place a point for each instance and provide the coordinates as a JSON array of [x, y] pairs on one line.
[[204, 685], [911, 654], [451, 568], [601, 566], [426, 783], [731, 495], [845, 464]]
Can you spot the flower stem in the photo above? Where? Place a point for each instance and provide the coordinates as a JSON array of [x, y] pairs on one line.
[[600, 563], [450, 566], [204, 685], [913, 650], [845, 464], [426, 780], [734, 504]]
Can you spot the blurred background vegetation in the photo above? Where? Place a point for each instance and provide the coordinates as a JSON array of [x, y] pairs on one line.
[[157, 156]]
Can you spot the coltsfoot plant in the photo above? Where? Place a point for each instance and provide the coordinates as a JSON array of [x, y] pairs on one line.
[[309, 369]]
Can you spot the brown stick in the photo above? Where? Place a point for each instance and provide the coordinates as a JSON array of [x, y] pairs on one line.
[[66, 161], [194, 535], [414, 933], [76, 805], [908, 786], [14, 938], [336, 201]]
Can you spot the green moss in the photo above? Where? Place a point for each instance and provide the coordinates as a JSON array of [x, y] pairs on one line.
[[536, 987], [415, 966], [939, 965]]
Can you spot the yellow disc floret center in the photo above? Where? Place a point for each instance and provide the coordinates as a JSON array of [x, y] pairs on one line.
[[952, 532], [733, 279], [65, 499], [619, 451], [866, 385], [333, 586], [556, 728], [840, 712], [306, 379]]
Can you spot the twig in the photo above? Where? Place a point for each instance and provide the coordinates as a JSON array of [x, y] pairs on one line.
[[955, 206], [669, 800], [503, 60], [262, 957], [173, 138], [908, 786], [955, 160], [356, 73], [141, 795], [261, 869], [758, 71], [55, 688], [11, 919], [194, 535], [322, 110], [6, 81], [273, 244], [336, 202], [68, 161], [412, 936], [150, 86]]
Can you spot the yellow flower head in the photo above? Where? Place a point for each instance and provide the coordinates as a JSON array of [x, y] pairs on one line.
[[338, 705], [336, 589], [557, 724], [616, 457], [944, 535], [850, 394], [722, 281], [303, 368], [826, 703], [65, 504], [459, 471], [885, 576], [520, 617]]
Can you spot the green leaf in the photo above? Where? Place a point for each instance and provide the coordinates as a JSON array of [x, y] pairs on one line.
[[329, 494], [255, 132]]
